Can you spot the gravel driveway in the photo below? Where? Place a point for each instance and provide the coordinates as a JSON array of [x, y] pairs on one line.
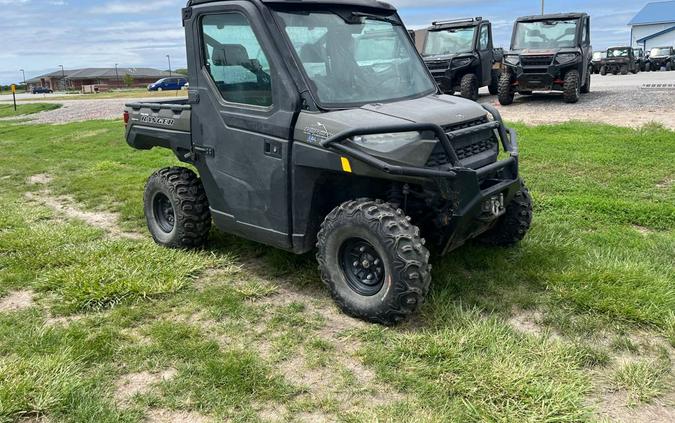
[[617, 100]]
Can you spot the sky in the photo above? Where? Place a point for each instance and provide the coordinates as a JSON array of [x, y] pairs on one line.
[[40, 35]]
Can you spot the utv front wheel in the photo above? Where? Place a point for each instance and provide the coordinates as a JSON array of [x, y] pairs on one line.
[[514, 224], [374, 261], [603, 71], [176, 208], [469, 86], [505, 95], [571, 87]]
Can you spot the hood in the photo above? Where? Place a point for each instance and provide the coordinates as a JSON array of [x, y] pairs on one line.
[[442, 110]]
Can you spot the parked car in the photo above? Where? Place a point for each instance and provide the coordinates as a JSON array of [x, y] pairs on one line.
[[460, 56], [620, 59], [662, 57], [548, 53], [42, 90], [168, 84], [596, 62]]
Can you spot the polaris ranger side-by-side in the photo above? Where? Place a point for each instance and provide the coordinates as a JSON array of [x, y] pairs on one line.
[[460, 55], [548, 53], [596, 61], [662, 58], [620, 60], [315, 125]]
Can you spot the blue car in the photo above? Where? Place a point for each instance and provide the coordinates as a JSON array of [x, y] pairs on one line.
[[168, 84]]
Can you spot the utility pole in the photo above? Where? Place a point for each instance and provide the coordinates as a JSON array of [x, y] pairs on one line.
[[117, 76], [25, 86], [542, 7], [169, 59], [63, 77]]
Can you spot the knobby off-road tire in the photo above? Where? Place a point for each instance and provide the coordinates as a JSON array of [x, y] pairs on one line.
[[176, 208], [366, 237], [586, 88], [624, 70], [571, 88], [603, 70], [514, 224], [669, 67], [469, 87], [505, 94]]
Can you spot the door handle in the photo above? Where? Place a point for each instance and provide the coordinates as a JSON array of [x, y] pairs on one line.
[[273, 149]]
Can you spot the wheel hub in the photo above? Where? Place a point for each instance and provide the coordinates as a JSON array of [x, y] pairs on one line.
[[164, 213], [362, 266]]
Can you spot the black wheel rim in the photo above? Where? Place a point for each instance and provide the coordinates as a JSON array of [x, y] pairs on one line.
[[164, 213], [362, 266]]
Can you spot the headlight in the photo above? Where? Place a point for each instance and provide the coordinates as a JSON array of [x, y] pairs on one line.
[[462, 61], [512, 60], [384, 143], [565, 57]]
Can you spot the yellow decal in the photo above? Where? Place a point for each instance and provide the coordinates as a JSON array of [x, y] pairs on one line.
[[346, 166], [13, 89]]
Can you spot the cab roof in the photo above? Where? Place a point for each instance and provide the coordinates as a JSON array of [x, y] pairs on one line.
[[373, 4], [456, 23], [551, 17]]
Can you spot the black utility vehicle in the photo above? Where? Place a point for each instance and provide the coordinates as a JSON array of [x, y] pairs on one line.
[[620, 59], [596, 61], [548, 52], [662, 58], [641, 58], [315, 125], [460, 56]]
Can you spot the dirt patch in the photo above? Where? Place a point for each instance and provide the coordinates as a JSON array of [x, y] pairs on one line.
[[527, 321], [68, 207], [63, 320], [40, 179], [613, 407], [16, 301], [314, 417], [166, 416], [138, 383], [665, 184], [642, 229]]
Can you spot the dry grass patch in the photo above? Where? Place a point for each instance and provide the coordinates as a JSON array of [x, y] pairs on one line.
[[16, 301], [133, 384], [168, 416]]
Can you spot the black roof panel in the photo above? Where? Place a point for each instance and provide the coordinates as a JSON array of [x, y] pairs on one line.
[[551, 16], [358, 3]]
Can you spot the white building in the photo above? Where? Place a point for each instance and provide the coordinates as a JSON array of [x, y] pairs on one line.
[[654, 26]]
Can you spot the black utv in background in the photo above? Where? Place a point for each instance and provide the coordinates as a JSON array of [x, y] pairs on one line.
[[460, 55], [548, 53], [596, 61], [662, 58], [641, 58], [315, 126], [620, 60]]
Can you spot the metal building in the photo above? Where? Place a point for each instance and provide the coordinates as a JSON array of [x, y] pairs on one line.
[[654, 26]]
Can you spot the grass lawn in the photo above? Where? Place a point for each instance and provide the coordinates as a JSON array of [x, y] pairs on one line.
[[98, 324], [7, 110], [132, 93]]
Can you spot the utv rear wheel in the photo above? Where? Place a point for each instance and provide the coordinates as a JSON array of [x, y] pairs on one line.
[[512, 226], [669, 67], [505, 94], [493, 88], [624, 70], [571, 88], [469, 87], [586, 88], [374, 261], [603, 71], [176, 208]]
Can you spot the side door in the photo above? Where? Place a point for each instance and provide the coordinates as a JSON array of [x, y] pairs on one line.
[[243, 108], [586, 48], [486, 53]]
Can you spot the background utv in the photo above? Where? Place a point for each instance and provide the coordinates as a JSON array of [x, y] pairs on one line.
[[315, 125], [548, 53]]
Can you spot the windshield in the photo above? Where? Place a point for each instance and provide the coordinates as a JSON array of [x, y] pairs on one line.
[[659, 52], [618, 52], [599, 55], [449, 41], [545, 34], [368, 60]]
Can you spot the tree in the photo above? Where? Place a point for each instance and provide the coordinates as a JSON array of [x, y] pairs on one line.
[[181, 71], [128, 80]]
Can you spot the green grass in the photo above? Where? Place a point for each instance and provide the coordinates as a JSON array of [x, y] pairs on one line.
[[7, 110], [596, 269]]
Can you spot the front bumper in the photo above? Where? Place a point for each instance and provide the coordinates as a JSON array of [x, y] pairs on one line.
[[543, 78], [466, 191], [445, 73]]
